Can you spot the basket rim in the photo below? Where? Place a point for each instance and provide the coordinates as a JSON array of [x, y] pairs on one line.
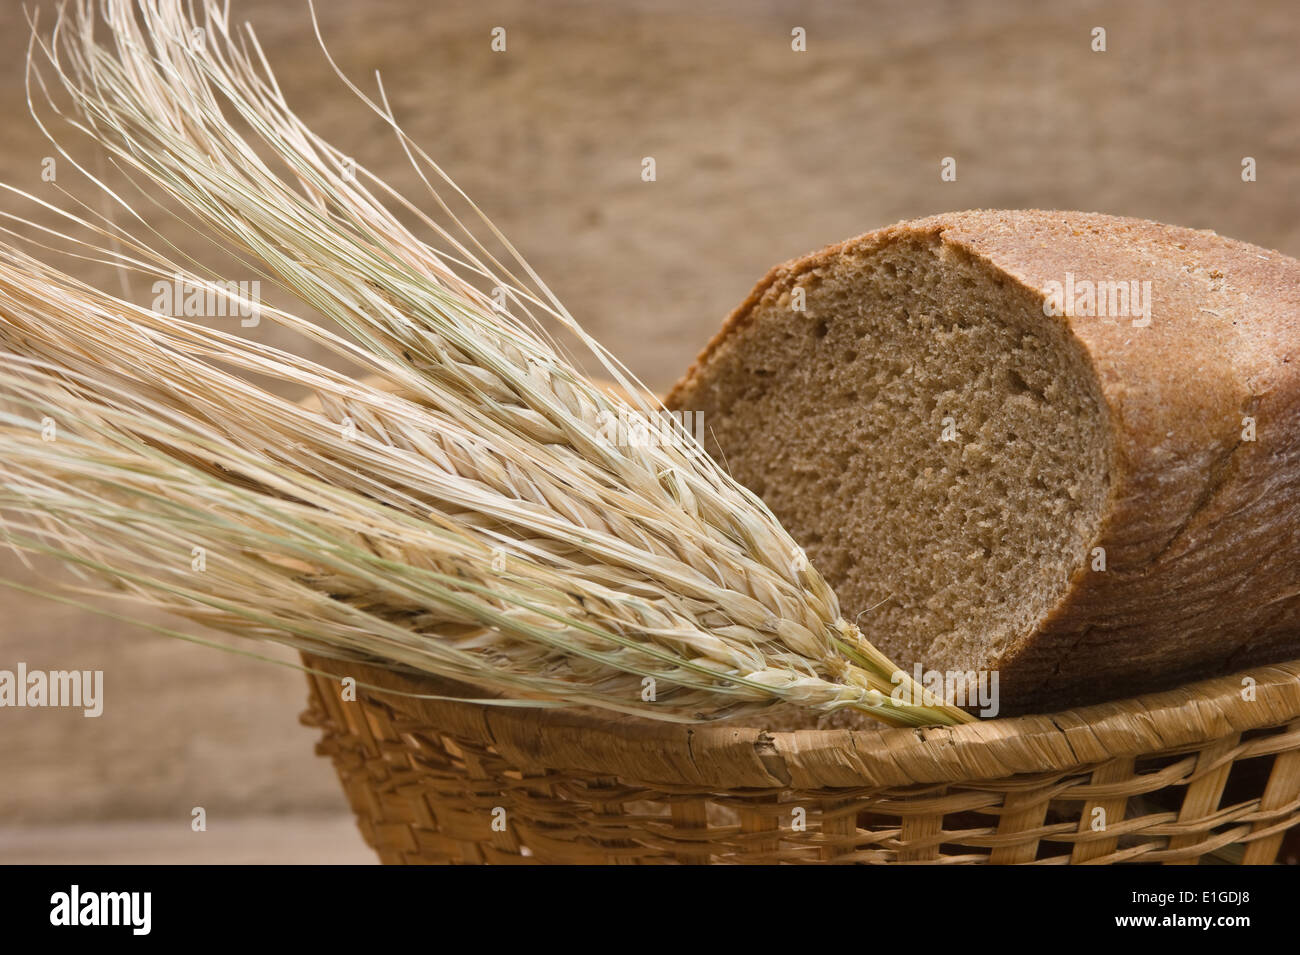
[[732, 756]]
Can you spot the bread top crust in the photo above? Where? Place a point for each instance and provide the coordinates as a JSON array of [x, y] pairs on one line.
[[1036, 246]]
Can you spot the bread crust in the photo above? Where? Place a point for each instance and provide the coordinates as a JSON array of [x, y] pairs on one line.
[[1201, 530]]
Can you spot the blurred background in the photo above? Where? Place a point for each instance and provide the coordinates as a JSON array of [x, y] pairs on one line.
[[762, 153]]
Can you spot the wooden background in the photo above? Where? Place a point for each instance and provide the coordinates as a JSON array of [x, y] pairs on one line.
[[762, 154]]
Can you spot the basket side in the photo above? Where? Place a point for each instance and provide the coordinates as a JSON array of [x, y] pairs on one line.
[[433, 781]]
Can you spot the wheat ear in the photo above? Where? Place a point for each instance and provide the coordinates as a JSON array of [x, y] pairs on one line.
[[469, 517]]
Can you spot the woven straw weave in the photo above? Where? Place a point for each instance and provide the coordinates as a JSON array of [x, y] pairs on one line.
[[1197, 774]]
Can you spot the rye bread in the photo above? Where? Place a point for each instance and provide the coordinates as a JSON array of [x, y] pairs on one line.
[[1090, 505]]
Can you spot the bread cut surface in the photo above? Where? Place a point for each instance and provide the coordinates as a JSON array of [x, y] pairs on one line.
[[1092, 505]]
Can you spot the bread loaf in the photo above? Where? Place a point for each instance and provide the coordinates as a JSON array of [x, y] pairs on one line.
[[1062, 447]]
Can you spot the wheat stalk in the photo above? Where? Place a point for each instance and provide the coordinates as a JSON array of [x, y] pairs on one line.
[[466, 515]]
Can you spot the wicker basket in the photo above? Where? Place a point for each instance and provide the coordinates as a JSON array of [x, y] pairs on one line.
[[1196, 774]]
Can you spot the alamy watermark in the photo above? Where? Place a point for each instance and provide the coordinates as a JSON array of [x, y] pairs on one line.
[[1105, 299], [128, 909], [56, 688], [976, 688], [631, 429], [183, 298]]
